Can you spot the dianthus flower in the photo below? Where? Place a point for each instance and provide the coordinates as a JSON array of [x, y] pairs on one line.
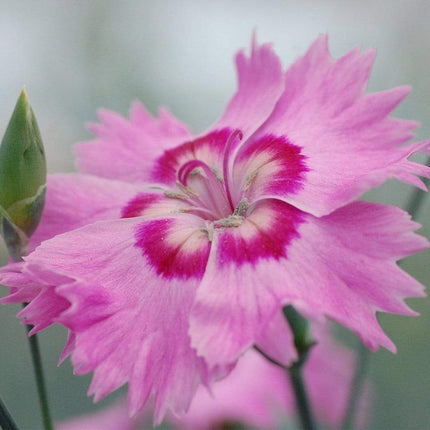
[[256, 393], [180, 252]]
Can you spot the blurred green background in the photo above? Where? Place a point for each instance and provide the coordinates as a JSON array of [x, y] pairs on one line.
[[77, 56]]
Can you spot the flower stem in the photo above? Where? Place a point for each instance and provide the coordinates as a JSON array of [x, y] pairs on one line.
[[6, 420], [296, 378], [303, 343], [38, 372], [356, 386], [40, 380]]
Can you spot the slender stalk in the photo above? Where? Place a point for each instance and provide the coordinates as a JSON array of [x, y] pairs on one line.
[[6, 420], [38, 374], [303, 407], [40, 379], [356, 386]]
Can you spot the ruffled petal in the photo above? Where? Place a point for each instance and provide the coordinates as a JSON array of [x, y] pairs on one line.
[[74, 200], [237, 299], [255, 394], [259, 394], [343, 266], [22, 288], [260, 82], [43, 305], [268, 167], [349, 142], [128, 318], [125, 150]]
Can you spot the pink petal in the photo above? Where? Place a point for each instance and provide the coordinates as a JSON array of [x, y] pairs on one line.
[[347, 137], [209, 148], [268, 167], [277, 340], [43, 304], [22, 287], [125, 150], [237, 298], [331, 364], [343, 266], [259, 394], [254, 394], [260, 86], [74, 200], [129, 323]]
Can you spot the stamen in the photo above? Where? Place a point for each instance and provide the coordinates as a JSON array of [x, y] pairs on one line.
[[186, 190], [209, 230], [230, 221], [199, 211], [232, 141], [175, 195], [250, 179], [241, 208]]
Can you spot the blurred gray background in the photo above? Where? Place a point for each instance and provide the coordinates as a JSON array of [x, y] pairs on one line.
[[76, 56]]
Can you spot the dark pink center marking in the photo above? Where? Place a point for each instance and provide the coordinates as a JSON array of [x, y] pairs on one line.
[[269, 239], [172, 261], [287, 168], [138, 205], [167, 166], [218, 178]]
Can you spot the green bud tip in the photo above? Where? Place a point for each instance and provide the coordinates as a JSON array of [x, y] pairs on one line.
[[22, 168]]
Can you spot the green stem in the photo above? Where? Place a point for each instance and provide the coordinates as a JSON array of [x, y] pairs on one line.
[[38, 373], [303, 407], [356, 386], [40, 380], [6, 420]]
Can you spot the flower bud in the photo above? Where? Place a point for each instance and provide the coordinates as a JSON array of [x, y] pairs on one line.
[[22, 175]]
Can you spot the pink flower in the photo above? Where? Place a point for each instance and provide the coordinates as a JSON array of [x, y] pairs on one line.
[[185, 248], [257, 394]]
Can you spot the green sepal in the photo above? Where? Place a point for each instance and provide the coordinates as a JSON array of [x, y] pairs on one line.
[[26, 214], [15, 239], [22, 157]]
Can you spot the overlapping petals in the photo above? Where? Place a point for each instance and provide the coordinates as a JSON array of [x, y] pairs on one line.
[[174, 254], [256, 394]]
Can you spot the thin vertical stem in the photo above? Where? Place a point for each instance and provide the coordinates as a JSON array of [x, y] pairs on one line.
[[6, 420], [356, 386], [40, 379], [303, 343], [303, 407], [38, 373]]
